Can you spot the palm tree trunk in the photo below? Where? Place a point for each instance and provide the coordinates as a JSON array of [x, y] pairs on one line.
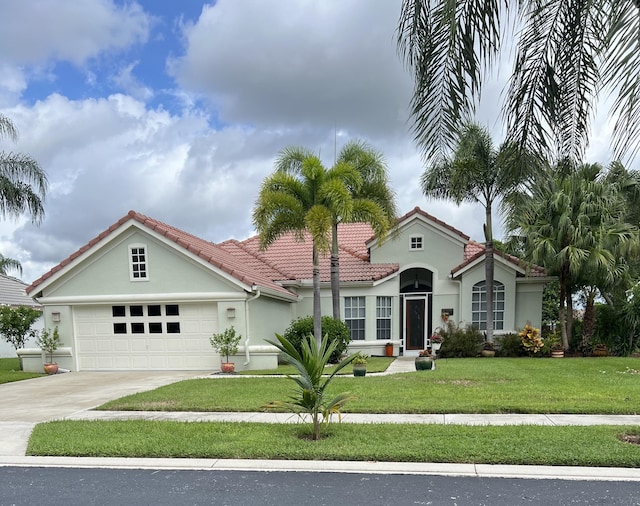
[[569, 296], [562, 312], [335, 273], [589, 321], [488, 271], [317, 310]]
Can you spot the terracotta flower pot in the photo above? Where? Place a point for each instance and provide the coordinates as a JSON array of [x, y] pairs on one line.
[[557, 353], [388, 349], [51, 368], [228, 367]]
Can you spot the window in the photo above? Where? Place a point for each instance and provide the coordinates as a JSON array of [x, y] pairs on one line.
[[172, 310], [383, 318], [155, 328], [416, 242], [173, 327], [138, 265], [136, 311], [118, 311], [119, 328], [137, 328], [479, 305], [154, 310], [354, 316]]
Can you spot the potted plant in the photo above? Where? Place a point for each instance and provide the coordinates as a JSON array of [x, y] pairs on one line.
[[530, 339], [555, 345], [226, 344], [48, 342], [436, 342], [488, 349], [424, 361], [359, 364], [600, 350]]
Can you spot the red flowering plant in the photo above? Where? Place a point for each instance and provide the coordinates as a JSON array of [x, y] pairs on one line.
[[436, 338], [424, 353]]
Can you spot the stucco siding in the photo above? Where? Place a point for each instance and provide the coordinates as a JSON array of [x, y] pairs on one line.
[[529, 304]]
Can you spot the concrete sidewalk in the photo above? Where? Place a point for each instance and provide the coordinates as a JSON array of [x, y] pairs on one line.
[[72, 396]]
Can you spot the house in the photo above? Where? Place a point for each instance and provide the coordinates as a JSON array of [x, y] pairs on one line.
[[12, 293], [145, 295]]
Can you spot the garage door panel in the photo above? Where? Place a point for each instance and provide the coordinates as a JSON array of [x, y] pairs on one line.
[[98, 348]]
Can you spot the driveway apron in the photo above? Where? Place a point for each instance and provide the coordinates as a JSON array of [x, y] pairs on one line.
[[25, 403]]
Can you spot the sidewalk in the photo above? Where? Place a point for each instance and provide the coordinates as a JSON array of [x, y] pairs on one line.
[[16, 428]]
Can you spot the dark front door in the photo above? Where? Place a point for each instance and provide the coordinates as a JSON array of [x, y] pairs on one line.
[[415, 324]]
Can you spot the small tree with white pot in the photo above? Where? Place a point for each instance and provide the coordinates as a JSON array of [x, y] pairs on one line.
[[226, 344]]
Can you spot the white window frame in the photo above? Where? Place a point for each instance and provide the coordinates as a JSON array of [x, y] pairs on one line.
[[384, 306], [138, 263], [416, 242], [355, 317], [479, 305]]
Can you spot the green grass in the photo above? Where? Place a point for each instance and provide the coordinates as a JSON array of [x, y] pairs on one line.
[[10, 371], [521, 385], [374, 364], [571, 446]]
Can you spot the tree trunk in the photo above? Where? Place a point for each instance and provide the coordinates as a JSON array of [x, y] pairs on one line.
[[589, 321], [488, 270], [562, 312], [569, 296], [335, 273], [317, 310]]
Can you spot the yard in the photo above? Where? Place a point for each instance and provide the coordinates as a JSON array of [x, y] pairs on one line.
[[10, 371], [603, 385]]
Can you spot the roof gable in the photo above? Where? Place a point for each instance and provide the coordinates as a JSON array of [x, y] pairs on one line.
[[474, 254]]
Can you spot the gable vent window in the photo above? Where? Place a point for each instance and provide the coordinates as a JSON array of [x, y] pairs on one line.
[[139, 270], [416, 243]]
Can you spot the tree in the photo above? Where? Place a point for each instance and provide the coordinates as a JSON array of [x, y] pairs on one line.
[[7, 264], [568, 52], [16, 323], [369, 200], [304, 198], [478, 172], [312, 380], [23, 183], [571, 222]]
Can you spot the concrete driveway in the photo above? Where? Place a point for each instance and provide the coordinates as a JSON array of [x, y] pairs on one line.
[[25, 403]]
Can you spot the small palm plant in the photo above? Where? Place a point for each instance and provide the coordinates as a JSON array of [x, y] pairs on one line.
[[312, 382]]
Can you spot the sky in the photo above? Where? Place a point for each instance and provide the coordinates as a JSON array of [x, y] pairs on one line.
[[178, 109]]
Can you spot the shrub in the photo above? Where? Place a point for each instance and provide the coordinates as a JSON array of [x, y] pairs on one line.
[[531, 340], [460, 342], [510, 345], [337, 331]]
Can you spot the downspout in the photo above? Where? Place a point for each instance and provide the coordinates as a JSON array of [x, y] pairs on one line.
[[246, 326], [459, 281]]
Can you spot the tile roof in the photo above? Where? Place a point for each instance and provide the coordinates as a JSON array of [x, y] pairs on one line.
[[430, 217], [13, 293], [475, 250], [206, 250]]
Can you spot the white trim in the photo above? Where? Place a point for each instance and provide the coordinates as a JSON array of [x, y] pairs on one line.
[[144, 263], [481, 259], [151, 297], [416, 236]]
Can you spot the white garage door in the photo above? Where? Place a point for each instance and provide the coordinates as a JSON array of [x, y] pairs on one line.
[[146, 337]]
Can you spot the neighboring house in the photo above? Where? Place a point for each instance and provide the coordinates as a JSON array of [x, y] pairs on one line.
[[12, 293], [145, 295]]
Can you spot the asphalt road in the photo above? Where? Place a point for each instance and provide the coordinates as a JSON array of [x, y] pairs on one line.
[[20, 486]]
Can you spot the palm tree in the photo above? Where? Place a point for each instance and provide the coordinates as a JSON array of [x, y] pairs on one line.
[[478, 173], [23, 183], [306, 197], [372, 201], [8, 264], [571, 221], [567, 53]]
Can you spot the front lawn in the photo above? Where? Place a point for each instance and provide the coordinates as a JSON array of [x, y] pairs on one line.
[[500, 385], [374, 364], [567, 446], [10, 371]]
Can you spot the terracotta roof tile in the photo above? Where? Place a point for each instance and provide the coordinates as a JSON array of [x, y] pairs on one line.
[[475, 250]]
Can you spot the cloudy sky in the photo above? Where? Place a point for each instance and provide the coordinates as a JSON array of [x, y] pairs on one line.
[[178, 109]]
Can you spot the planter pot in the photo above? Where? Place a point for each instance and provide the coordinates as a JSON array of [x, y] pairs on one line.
[[424, 363], [488, 353], [359, 369], [51, 368], [388, 350], [557, 353], [228, 367], [435, 347]]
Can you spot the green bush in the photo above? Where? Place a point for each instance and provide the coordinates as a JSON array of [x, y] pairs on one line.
[[337, 331], [460, 342], [510, 345]]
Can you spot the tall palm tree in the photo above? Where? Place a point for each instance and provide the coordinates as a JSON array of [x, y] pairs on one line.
[[572, 222], [304, 198], [478, 173], [568, 51], [8, 264], [23, 183], [372, 200]]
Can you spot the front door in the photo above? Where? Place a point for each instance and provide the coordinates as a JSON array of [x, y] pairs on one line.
[[415, 323]]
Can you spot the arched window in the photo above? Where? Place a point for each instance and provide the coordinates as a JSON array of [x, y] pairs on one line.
[[479, 305]]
